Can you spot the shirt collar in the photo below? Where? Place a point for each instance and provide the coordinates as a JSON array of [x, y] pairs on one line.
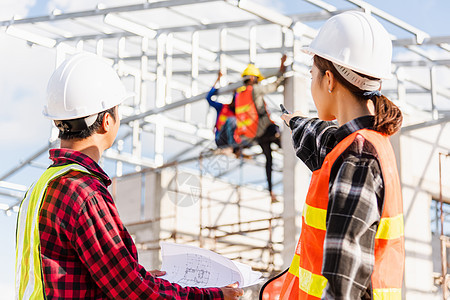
[[63, 156], [364, 122]]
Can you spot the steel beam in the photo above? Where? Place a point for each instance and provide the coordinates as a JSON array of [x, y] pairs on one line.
[[440, 120], [426, 41], [129, 158], [226, 52], [323, 5], [422, 63], [173, 105], [420, 35], [103, 11], [11, 194], [439, 91], [28, 160]]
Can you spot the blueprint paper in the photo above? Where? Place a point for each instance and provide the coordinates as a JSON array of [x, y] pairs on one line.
[[192, 266]]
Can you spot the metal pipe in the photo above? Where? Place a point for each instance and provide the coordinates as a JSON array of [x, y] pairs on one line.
[[242, 223], [176, 104], [434, 110], [200, 233], [440, 194], [28, 160], [420, 35], [443, 238], [442, 119], [103, 11]]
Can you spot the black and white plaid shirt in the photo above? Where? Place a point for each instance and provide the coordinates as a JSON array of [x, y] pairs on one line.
[[356, 195]]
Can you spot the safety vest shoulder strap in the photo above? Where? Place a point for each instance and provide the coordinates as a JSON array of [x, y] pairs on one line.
[[244, 97], [28, 277]]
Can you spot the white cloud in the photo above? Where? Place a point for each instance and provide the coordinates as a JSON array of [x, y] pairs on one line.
[[10, 8], [70, 5], [276, 5], [23, 80], [23, 76]]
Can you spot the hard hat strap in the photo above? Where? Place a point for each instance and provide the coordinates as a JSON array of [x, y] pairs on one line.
[[364, 84], [76, 125]]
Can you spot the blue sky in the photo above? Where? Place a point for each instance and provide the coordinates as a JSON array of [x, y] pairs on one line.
[[430, 16]]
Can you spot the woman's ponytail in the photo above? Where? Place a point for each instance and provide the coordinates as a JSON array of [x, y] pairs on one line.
[[388, 117]]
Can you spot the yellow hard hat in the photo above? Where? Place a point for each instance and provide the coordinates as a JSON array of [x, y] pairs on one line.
[[251, 70]]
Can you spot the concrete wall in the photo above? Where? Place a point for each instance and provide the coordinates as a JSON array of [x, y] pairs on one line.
[[176, 204], [419, 170], [296, 176]]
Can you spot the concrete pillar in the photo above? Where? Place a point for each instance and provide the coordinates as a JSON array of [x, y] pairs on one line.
[[419, 178], [296, 175], [153, 197], [160, 98]]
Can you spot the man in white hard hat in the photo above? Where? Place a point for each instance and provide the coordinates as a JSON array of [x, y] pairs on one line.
[[71, 243]]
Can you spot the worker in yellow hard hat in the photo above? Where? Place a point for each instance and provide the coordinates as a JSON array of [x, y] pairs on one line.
[[253, 121], [252, 70]]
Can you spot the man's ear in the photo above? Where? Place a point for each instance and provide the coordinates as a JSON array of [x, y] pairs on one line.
[[107, 122]]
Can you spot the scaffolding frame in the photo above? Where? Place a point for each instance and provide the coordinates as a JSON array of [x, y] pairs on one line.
[[443, 279], [215, 230], [142, 119], [178, 64]]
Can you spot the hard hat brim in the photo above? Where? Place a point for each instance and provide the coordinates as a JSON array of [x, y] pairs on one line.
[[56, 118], [311, 51]]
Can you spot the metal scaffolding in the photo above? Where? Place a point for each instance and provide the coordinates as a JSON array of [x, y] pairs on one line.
[[169, 61], [195, 207], [169, 52], [443, 279]]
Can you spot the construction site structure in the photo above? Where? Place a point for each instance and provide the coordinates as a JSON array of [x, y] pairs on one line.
[[169, 182], [442, 279]]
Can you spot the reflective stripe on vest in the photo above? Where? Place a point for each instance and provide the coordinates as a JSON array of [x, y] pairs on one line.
[[29, 282], [246, 113], [304, 279], [389, 228]]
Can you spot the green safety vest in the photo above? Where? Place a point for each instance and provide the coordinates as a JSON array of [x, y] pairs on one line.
[[29, 278]]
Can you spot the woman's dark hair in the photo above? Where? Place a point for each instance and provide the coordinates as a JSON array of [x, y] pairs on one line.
[[87, 132], [388, 117]]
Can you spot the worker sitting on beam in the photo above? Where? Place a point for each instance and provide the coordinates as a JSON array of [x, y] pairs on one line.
[[225, 120], [253, 123]]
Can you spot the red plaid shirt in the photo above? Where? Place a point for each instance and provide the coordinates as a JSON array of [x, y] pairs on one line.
[[86, 251]]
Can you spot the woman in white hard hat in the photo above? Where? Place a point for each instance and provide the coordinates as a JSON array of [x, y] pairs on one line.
[[351, 244]]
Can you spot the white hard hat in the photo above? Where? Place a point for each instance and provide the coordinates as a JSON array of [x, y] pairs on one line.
[[357, 41], [82, 86]]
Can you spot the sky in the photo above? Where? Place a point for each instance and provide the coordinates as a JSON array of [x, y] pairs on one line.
[[24, 72]]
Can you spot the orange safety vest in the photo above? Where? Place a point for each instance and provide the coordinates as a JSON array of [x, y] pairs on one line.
[[304, 279], [224, 114], [246, 113]]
